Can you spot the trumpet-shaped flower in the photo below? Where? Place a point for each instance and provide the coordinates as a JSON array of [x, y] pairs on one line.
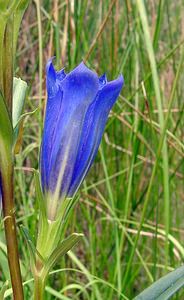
[[77, 110]]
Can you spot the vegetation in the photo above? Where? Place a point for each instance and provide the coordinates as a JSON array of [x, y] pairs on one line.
[[131, 204]]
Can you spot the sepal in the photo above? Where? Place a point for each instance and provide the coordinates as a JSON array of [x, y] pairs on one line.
[[39, 195], [31, 247], [65, 208], [66, 245], [43, 222]]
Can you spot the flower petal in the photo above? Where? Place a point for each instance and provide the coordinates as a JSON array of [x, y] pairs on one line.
[[52, 87], [61, 138], [53, 109], [93, 129]]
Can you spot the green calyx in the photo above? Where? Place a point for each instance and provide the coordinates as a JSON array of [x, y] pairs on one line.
[[51, 244]]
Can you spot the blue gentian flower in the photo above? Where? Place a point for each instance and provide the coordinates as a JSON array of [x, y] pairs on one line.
[[77, 109]]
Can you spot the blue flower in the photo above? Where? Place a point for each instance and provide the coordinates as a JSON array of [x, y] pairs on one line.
[[77, 109]]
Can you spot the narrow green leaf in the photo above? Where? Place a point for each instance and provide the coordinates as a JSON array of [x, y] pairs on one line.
[[165, 287], [6, 131], [6, 135], [43, 222], [39, 194], [32, 249], [31, 246], [62, 249]]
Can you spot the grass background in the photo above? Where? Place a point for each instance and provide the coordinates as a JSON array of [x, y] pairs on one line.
[[131, 204]]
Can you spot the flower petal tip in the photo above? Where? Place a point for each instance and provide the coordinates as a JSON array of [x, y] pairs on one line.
[[51, 78], [121, 79], [82, 76], [50, 70], [82, 67]]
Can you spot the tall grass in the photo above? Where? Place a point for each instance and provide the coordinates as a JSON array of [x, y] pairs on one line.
[[131, 203]]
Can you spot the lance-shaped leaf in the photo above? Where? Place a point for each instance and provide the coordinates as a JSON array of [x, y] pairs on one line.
[[6, 135], [32, 249], [39, 195], [43, 224], [165, 287], [61, 250]]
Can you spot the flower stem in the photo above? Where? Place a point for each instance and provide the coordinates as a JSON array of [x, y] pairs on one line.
[[39, 287], [46, 243], [7, 172], [10, 232]]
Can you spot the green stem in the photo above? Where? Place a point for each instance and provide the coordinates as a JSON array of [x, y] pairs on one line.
[[10, 232], [39, 287], [7, 171]]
